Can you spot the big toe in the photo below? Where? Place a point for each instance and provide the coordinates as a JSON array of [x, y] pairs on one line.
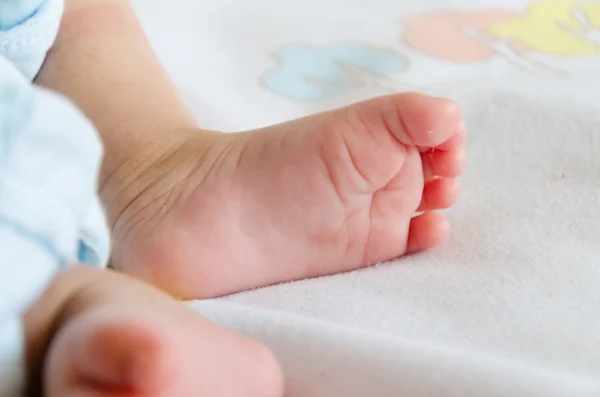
[[415, 119]]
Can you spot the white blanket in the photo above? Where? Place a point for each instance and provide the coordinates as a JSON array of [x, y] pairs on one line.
[[510, 305]]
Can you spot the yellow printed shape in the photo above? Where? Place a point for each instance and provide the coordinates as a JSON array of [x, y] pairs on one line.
[[592, 10], [551, 27]]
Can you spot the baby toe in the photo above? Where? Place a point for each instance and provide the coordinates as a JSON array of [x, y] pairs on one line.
[[439, 193], [429, 121], [443, 163], [456, 140], [426, 231], [412, 118]]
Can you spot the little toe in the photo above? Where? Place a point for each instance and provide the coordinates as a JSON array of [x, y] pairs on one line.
[[443, 163], [439, 193], [426, 231]]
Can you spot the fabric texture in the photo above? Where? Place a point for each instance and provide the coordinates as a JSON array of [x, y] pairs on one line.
[[50, 216], [15, 12], [509, 306], [27, 30]]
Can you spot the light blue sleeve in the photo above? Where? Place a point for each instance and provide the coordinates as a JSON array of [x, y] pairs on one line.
[[50, 154], [15, 12], [50, 157], [27, 30]]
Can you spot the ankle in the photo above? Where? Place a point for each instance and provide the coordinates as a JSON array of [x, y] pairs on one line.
[[155, 170]]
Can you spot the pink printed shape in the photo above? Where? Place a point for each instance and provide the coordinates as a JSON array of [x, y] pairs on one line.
[[441, 34]]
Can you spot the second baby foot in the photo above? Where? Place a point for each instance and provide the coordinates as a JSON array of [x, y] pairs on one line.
[[115, 336]]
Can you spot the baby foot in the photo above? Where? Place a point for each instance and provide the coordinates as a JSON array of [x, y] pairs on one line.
[[325, 194], [121, 338]]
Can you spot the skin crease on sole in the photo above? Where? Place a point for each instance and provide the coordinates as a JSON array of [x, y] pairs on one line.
[[329, 193]]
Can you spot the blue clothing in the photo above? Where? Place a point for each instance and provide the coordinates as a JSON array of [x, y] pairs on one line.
[[27, 30], [50, 215], [15, 12]]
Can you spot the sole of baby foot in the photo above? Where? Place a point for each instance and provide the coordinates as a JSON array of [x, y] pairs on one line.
[[325, 194], [121, 338]]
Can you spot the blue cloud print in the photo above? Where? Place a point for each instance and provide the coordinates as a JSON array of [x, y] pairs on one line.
[[310, 72]]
